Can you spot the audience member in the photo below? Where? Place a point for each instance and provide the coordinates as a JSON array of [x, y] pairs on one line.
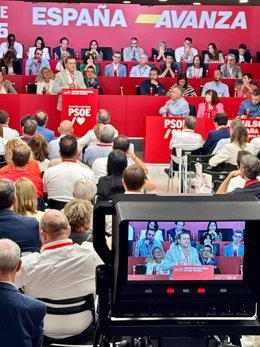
[[152, 86], [238, 181], [60, 66], [174, 232], [133, 179], [214, 231], [94, 49], [186, 53], [58, 255], [230, 69], [206, 256], [10, 65], [177, 106], [92, 136], [21, 316], [245, 89], [6, 86], [236, 248], [196, 69], [213, 55], [84, 189], [26, 199], [121, 142], [88, 61], [35, 64], [181, 254], [39, 43], [110, 185], [225, 141], [63, 48], [115, 68], [58, 180], [29, 130], [41, 118], [250, 108], [45, 81], [39, 147], [211, 106], [206, 239], [69, 78], [145, 246], [155, 262], [160, 51], [90, 79], [20, 159], [9, 133], [103, 147], [11, 45], [65, 128], [228, 153], [133, 52], [32, 166], [142, 69], [168, 67], [243, 54], [222, 131], [3, 142], [22, 230], [79, 214], [249, 170], [187, 89], [221, 89]]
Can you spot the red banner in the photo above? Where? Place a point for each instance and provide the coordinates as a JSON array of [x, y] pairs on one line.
[[193, 272], [80, 106], [114, 24]]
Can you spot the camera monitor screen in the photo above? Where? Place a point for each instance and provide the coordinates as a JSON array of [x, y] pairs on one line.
[[185, 250]]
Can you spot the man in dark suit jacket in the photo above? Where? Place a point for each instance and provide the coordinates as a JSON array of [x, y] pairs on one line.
[[242, 54], [21, 229], [57, 51], [21, 317], [222, 132], [174, 232]]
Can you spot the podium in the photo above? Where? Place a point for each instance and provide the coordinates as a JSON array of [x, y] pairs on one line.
[[80, 106]]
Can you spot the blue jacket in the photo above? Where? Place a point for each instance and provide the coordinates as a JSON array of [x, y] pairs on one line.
[[47, 133], [213, 137], [248, 105], [21, 318], [228, 250], [21, 229], [122, 71]]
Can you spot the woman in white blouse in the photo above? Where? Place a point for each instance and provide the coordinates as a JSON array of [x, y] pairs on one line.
[[196, 70], [45, 81], [155, 262], [39, 43], [6, 86]]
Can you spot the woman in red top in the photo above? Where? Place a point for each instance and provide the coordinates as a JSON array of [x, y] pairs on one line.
[[211, 106]]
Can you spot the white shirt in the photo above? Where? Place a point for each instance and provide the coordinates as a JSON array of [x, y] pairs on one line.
[[186, 139], [139, 71], [221, 143], [179, 52], [9, 133], [54, 148], [3, 142], [99, 167], [48, 86], [17, 46], [61, 273], [45, 53], [58, 180], [256, 143]]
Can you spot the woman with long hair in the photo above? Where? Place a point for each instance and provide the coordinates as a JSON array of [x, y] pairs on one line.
[[112, 183], [238, 142], [10, 64], [213, 55], [196, 69], [39, 43], [6, 86], [89, 61], [187, 89], [45, 81], [39, 147], [211, 105], [206, 239], [26, 199], [214, 231], [160, 51], [94, 50]]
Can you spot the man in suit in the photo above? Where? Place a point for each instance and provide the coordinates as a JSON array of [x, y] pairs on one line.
[[230, 69], [236, 248], [181, 254], [21, 317], [21, 229], [58, 51], [68, 78], [174, 232], [243, 55], [222, 132], [115, 68]]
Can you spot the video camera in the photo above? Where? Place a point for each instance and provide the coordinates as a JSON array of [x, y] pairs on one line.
[[191, 298]]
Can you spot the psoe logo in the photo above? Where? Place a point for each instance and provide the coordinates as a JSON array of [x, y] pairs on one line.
[[79, 113]]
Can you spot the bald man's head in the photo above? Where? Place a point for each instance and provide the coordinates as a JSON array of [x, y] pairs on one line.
[[66, 128], [54, 226]]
